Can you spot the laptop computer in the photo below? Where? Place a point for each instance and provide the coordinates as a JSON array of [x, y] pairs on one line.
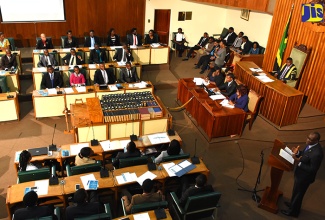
[[38, 151]]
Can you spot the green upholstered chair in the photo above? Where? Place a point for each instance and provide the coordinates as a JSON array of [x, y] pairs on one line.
[[32, 175], [106, 215], [133, 161], [223, 32], [262, 50], [12, 43], [62, 40], [196, 207], [88, 168], [145, 206], [57, 213], [175, 157], [3, 84]]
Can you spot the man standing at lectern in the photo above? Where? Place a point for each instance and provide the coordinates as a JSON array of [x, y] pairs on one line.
[[307, 163]]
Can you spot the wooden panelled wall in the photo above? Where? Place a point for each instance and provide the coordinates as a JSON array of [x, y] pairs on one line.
[[256, 5], [82, 16], [313, 79]]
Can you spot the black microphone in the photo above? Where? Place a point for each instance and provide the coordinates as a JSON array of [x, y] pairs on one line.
[[133, 137], [93, 142], [195, 159], [52, 147]]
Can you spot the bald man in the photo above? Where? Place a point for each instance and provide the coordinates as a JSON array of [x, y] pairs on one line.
[[44, 43]]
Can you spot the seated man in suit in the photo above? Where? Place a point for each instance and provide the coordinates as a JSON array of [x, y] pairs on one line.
[[131, 151], [91, 40], [51, 79], [70, 41], [205, 50], [128, 74], [202, 42], [8, 61], [47, 59], [44, 43], [199, 188], [229, 87], [72, 58], [76, 77], [239, 40], [32, 210], [123, 54], [229, 37], [288, 71], [82, 207], [179, 41], [104, 76], [147, 196], [134, 39], [97, 55], [245, 46]]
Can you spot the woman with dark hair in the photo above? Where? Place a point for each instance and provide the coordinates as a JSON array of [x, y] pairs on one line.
[[131, 151], [151, 38], [84, 156], [174, 148], [112, 38], [24, 161], [240, 98], [255, 49]]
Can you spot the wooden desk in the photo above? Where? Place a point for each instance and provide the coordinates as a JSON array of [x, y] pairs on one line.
[[9, 107], [15, 195], [256, 58], [215, 120], [281, 104], [151, 213], [141, 55], [159, 55], [48, 106]]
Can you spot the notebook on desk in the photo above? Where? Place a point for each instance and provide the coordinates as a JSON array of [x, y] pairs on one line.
[[38, 151]]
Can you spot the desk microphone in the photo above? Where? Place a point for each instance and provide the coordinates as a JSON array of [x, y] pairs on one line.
[[52, 147], [195, 159], [93, 142], [133, 137]]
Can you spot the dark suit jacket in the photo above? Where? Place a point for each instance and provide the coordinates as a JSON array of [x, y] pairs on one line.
[[229, 90], [40, 45], [110, 42], [148, 40], [204, 42], [46, 81], [98, 78], [247, 47], [119, 54], [88, 42], [310, 163], [83, 210], [94, 58], [32, 212], [44, 63], [124, 77], [8, 63], [74, 43], [130, 39], [122, 155], [192, 191], [66, 59], [230, 39]]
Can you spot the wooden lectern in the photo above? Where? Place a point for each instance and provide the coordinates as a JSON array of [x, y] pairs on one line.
[[278, 165]]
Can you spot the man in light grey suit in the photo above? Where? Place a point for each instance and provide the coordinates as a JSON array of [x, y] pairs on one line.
[[128, 74], [47, 59]]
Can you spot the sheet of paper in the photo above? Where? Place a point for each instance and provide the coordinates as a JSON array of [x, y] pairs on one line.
[[106, 145], [124, 143], [288, 150], [175, 168], [68, 90], [17, 155], [115, 47], [155, 44], [42, 187], [85, 179], [159, 138], [167, 166], [217, 97], [140, 85], [75, 148], [142, 216], [185, 164], [256, 69], [121, 63], [264, 79], [112, 87], [286, 156], [52, 91], [146, 175], [225, 103], [133, 47], [198, 81], [116, 145], [126, 178], [81, 89], [66, 50], [92, 66]]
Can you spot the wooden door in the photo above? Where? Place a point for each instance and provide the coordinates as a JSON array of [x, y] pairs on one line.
[[162, 22]]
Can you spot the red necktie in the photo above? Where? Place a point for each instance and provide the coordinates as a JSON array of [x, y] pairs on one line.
[[134, 40]]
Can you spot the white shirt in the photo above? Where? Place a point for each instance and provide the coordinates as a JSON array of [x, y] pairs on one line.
[[242, 46], [92, 41], [226, 38], [179, 37], [74, 60], [48, 60], [104, 76]]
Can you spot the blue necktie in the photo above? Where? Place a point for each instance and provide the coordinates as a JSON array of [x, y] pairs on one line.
[[52, 80], [307, 148], [212, 51]]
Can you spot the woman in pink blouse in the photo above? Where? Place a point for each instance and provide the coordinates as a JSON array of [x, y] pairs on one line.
[[76, 77]]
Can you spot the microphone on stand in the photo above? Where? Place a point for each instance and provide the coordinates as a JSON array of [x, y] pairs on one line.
[[93, 142], [52, 147], [133, 137], [195, 159]]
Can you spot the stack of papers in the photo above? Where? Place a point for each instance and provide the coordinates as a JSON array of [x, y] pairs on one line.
[[146, 175], [200, 81], [256, 69], [142, 216], [264, 78], [81, 89], [68, 90], [52, 91], [112, 87], [288, 157], [155, 44], [89, 182], [126, 178], [121, 63], [217, 96], [179, 169], [75, 149], [159, 138], [225, 103], [140, 85]]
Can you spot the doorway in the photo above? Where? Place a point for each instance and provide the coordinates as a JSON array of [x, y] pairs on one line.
[[162, 24]]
